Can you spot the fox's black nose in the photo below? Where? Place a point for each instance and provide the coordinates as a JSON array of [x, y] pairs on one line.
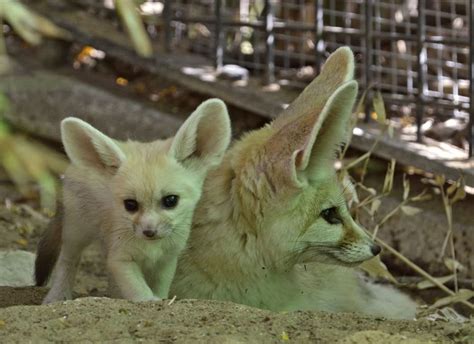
[[149, 233], [375, 249]]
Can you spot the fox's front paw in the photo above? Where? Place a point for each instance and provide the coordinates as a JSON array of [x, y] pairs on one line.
[[56, 297]]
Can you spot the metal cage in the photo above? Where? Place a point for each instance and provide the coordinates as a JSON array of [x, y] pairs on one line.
[[416, 52]]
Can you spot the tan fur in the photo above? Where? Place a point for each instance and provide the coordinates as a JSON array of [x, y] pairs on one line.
[[259, 236], [105, 172]]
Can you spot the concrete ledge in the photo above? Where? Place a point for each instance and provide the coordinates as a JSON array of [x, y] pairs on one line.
[[41, 99]]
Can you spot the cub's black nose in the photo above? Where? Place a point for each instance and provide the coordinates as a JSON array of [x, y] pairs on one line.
[[149, 233], [375, 249]]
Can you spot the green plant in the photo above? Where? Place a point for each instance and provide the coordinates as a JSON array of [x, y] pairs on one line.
[[31, 26], [29, 163]]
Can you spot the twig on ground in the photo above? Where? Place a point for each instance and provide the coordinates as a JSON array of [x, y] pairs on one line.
[[172, 300], [420, 270]]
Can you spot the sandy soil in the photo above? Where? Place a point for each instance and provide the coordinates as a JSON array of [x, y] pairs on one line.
[[101, 319], [93, 319]]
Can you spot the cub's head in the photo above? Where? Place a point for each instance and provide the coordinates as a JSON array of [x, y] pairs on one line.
[[154, 187], [289, 195]]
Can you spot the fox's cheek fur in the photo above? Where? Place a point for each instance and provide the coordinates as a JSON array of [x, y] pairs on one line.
[[293, 241], [341, 244], [352, 254]]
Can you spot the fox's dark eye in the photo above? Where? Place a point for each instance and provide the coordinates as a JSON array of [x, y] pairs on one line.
[[130, 205], [170, 201], [331, 216]]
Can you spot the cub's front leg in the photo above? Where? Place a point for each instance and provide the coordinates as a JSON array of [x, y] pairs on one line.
[[163, 276], [129, 280]]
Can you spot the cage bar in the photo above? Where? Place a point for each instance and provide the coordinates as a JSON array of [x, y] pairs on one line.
[[318, 33], [470, 128], [218, 36], [167, 16], [421, 67], [269, 42], [368, 55]]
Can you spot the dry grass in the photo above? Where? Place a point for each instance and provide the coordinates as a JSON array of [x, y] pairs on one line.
[[450, 194]]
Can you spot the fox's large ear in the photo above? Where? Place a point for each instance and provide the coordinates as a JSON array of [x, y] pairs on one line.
[[87, 146], [337, 70], [306, 136], [328, 134], [204, 137], [307, 145]]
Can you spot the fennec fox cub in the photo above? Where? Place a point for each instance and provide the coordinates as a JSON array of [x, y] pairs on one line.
[[138, 198], [272, 229]]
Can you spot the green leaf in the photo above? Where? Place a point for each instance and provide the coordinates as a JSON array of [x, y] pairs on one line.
[[452, 188], [461, 295], [409, 210], [132, 21], [460, 193], [390, 130], [375, 206], [422, 196], [440, 180], [379, 107], [406, 187], [452, 264], [388, 182], [29, 25], [360, 108], [428, 284]]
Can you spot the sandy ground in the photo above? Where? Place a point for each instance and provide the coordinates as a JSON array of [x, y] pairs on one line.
[[99, 319], [102, 319]]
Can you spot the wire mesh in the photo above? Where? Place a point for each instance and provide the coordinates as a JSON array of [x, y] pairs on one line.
[[416, 52]]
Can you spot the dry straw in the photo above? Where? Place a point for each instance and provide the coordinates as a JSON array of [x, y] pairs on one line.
[[372, 202]]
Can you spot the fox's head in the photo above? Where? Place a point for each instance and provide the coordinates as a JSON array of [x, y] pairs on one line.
[[154, 187], [289, 197]]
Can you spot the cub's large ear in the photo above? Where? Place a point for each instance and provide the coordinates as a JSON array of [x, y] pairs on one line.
[[306, 146], [87, 146], [204, 137]]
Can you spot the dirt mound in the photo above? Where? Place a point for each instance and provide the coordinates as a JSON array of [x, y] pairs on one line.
[[196, 321], [23, 320]]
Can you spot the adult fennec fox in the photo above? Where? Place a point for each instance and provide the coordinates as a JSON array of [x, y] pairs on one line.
[[272, 229]]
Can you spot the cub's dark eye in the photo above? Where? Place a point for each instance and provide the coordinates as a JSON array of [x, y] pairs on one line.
[[130, 205], [170, 201], [331, 216]]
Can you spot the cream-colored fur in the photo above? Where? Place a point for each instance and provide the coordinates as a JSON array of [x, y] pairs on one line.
[[272, 229], [105, 172]]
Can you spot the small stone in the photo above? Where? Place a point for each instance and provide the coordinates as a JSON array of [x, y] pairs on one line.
[[16, 268]]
